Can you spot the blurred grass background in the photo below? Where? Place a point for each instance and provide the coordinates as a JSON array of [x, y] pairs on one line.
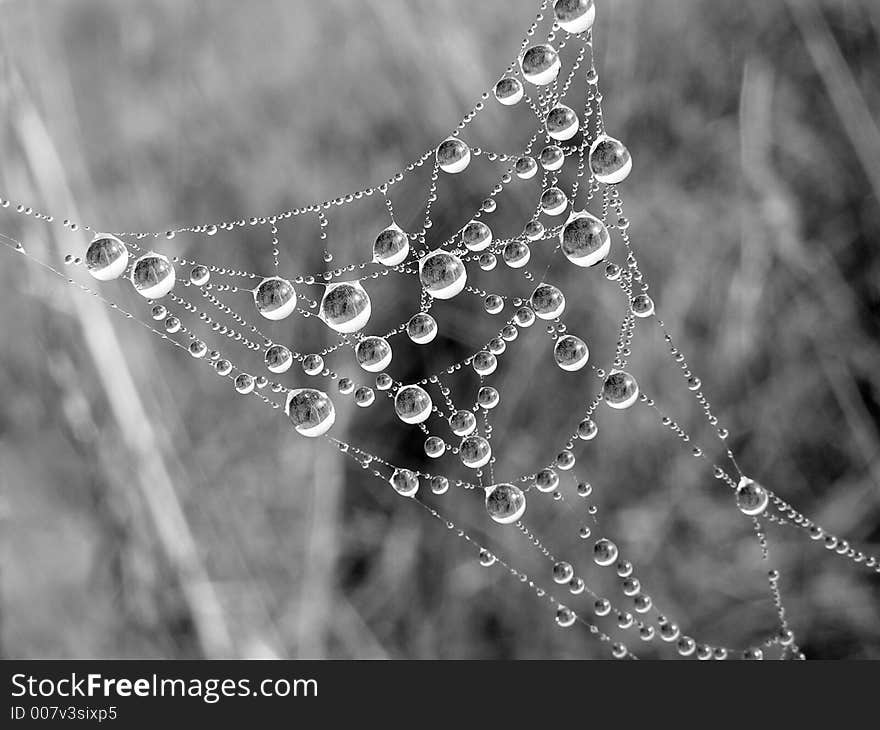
[[204, 527]]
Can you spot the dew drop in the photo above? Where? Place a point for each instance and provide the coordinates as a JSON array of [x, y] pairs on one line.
[[584, 239], [153, 275], [391, 246], [505, 503], [453, 155], [540, 65], [311, 411], [275, 298], [106, 257], [620, 389], [345, 307], [412, 404], [373, 354], [443, 274], [575, 16], [421, 328], [610, 161]]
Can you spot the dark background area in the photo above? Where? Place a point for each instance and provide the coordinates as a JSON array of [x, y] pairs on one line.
[[198, 524]]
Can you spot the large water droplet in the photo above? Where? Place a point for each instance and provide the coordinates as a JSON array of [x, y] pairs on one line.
[[610, 161], [153, 275], [345, 307], [475, 451], [311, 411], [552, 157], [476, 236], [106, 257], [508, 91], [405, 482], [575, 16], [604, 552], [278, 359], [462, 423], [391, 246], [413, 404], [275, 298], [547, 301], [584, 239], [571, 353], [373, 354], [620, 389], [505, 503], [443, 275], [421, 328], [453, 155], [751, 497], [540, 64], [554, 201], [562, 122]]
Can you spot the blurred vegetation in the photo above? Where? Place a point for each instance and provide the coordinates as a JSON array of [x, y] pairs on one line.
[[754, 206]]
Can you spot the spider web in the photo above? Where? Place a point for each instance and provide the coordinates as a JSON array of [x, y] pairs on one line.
[[569, 169]]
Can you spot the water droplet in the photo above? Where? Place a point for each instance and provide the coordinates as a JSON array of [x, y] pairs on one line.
[[525, 167], [575, 16], [540, 65], [620, 389], [508, 91], [244, 383], [563, 572], [571, 353], [106, 257], [443, 275], [505, 503], [475, 451], [453, 155], [462, 423], [476, 236], [610, 161], [751, 497], [391, 246], [488, 397], [562, 122], [199, 275], [364, 396], [584, 239], [484, 363], [487, 560], [547, 301], [373, 354], [493, 303], [439, 485], [421, 328], [278, 359], [604, 552], [587, 429], [552, 157], [153, 275], [275, 298], [516, 254], [565, 617], [405, 482], [345, 307], [434, 447], [413, 404], [547, 480], [311, 411], [553, 201], [642, 305], [313, 364], [534, 230]]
